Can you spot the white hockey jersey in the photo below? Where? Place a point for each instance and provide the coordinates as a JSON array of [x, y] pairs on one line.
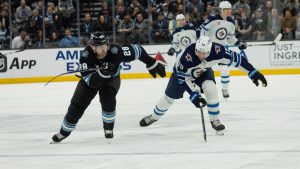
[[182, 37], [219, 30]]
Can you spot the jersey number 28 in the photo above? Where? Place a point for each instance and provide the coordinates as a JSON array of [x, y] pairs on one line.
[[126, 51]]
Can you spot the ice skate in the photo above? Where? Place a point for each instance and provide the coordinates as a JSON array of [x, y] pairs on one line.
[[218, 126], [146, 121]]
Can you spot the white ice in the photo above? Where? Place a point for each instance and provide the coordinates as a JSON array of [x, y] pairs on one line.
[[262, 129]]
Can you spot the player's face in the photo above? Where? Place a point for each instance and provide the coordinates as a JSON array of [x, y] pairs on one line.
[[201, 55], [180, 22], [227, 12], [101, 51]]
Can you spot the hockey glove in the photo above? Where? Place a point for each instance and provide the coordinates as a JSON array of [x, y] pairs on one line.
[[106, 69], [157, 68], [242, 45], [171, 51], [256, 76], [197, 100], [196, 73]]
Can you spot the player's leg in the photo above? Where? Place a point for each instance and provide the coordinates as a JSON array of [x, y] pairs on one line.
[[225, 79], [82, 97], [209, 88], [172, 92], [108, 102]]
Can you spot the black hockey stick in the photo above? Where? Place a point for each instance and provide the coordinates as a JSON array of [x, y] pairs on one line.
[[203, 124], [276, 40], [21, 50], [71, 72], [14, 52]]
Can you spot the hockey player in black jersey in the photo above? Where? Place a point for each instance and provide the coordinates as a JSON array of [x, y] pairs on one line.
[[105, 81]]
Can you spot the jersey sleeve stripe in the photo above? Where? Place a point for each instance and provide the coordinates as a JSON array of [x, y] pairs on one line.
[[231, 59], [238, 60], [203, 27], [136, 52]]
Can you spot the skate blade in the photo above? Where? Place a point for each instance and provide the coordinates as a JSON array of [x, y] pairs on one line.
[[220, 133], [226, 99], [53, 142], [109, 140]]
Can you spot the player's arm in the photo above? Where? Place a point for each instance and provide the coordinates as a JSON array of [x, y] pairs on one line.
[[175, 44], [185, 78], [233, 40], [205, 27], [137, 52], [92, 78], [236, 60]]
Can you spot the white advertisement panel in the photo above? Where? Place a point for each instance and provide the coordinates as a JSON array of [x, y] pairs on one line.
[[50, 62]]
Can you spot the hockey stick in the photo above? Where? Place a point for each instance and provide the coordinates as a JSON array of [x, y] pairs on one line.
[[203, 124], [21, 50], [71, 72], [14, 52], [276, 40], [156, 53]]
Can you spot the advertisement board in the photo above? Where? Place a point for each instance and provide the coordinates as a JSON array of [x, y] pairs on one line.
[[39, 65]]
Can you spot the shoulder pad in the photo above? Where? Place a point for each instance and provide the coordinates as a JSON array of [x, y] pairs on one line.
[[229, 19], [114, 50], [85, 53]]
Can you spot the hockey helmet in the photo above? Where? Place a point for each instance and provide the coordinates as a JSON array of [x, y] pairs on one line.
[[224, 5], [203, 44], [180, 17], [97, 39]]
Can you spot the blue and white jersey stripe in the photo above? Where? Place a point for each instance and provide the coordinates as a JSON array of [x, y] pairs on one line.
[[108, 117], [68, 127]]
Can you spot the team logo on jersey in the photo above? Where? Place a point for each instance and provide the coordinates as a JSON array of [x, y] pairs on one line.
[[185, 41], [85, 54], [114, 50], [221, 33], [217, 49], [189, 58]]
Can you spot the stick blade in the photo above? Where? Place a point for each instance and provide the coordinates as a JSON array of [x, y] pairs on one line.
[[278, 38]]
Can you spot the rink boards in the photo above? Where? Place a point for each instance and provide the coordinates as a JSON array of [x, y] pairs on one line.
[[40, 65]]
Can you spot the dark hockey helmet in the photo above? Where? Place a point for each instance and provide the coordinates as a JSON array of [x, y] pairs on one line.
[[97, 39]]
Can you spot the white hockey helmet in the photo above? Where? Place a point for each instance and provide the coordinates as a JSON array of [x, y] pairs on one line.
[[180, 17], [203, 44], [224, 5]]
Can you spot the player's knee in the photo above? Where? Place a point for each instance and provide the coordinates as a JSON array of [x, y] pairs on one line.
[[210, 90], [168, 99], [224, 70], [108, 99], [74, 113]]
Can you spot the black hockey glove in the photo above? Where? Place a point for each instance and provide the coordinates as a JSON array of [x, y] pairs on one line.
[[197, 100], [106, 69], [242, 45], [256, 76], [196, 73], [157, 68], [171, 51]]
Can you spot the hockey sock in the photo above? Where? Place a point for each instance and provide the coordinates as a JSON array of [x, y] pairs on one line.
[[211, 95], [225, 77], [162, 107]]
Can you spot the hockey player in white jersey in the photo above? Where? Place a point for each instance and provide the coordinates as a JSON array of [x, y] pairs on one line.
[[193, 68], [182, 36], [221, 29]]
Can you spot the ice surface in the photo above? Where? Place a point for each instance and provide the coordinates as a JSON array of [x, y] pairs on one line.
[[262, 129]]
